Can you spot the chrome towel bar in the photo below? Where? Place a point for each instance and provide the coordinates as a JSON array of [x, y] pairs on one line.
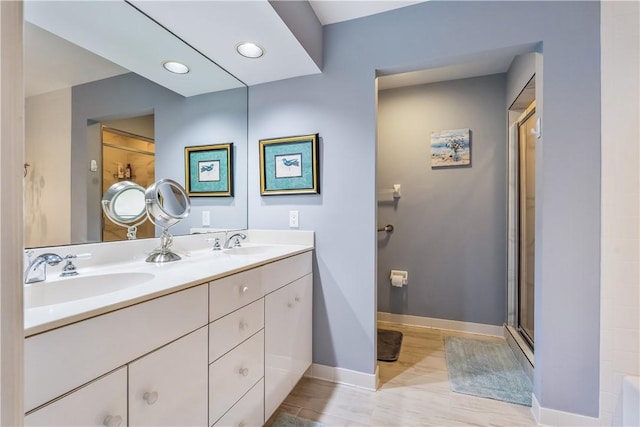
[[387, 228]]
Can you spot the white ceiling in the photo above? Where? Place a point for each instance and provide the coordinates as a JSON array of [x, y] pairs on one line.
[[52, 63], [332, 11], [212, 27]]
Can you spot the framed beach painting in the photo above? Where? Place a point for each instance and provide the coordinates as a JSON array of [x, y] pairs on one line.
[[289, 165], [451, 148], [209, 170]]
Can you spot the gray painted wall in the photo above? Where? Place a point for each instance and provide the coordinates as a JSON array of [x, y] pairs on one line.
[[340, 104], [450, 223], [213, 118]]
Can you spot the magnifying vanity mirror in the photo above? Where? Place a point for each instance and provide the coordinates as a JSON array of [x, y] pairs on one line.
[[124, 205], [64, 118], [166, 204]]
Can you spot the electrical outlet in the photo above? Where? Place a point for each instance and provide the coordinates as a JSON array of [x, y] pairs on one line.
[[294, 219], [206, 218]]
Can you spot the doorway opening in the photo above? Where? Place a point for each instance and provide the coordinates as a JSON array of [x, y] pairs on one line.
[[127, 156]]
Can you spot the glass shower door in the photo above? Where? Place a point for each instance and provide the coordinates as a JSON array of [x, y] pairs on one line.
[[526, 209]]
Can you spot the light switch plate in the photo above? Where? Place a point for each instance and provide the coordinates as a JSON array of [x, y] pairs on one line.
[[206, 218], [294, 219]]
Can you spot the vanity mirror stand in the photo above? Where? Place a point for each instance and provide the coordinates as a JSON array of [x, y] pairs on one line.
[[166, 204]]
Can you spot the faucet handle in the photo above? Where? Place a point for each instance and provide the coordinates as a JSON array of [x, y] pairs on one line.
[[216, 243], [69, 268]]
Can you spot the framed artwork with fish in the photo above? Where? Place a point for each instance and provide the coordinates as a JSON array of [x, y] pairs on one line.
[[209, 170], [289, 165]]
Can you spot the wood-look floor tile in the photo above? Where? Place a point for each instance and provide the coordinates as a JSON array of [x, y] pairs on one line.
[[329, 420], [414, 391]]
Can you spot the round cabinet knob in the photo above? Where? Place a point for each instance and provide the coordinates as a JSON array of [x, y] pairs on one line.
[[243, 290], [150, 397], [244, 371], [289, 304], [243, 325], [112, 421], [297, 299]]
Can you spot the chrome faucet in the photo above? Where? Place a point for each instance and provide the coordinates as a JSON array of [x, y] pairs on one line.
[[235, 240], [37, 270]]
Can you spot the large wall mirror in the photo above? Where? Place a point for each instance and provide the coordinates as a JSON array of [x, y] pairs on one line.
[[97, 97]]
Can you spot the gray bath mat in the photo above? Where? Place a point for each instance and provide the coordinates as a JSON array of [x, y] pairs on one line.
[[389, 343], [486, 369]]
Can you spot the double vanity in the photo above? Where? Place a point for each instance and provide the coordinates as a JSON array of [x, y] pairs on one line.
[[217, 338]]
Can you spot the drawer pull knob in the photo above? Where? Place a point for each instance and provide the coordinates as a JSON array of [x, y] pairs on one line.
[[297, 299], [243, 290], [243, 325], [112, 421], [150, 397], [244, 371], [289, 304]]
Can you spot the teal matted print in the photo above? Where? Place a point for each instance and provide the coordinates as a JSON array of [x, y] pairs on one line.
[[289, 165], [209, 170]]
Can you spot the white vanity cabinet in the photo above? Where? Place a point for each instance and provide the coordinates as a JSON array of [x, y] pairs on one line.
[[102, 402], [202, 356]]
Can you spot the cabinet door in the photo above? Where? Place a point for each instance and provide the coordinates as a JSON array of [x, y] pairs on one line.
[[288, 342], [168, 387], [102, 402]]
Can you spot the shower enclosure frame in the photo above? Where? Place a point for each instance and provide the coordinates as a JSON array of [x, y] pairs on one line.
[[525, 342]]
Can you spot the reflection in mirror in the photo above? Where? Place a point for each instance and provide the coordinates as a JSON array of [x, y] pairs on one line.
[[65, 116], [167, 203], [124, 204], [127, 155]]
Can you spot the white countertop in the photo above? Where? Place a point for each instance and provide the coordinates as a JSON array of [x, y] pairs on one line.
[[195, 268]]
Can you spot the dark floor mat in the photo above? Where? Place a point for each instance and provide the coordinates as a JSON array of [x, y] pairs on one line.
[[389, 343]]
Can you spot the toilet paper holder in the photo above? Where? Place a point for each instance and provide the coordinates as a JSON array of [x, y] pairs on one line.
[[402, 275]]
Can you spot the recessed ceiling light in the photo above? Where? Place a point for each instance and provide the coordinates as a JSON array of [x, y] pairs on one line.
[[249, 50], [175, 67]]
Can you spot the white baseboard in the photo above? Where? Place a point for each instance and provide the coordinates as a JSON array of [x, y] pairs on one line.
[[343, 376], [452, 325], [554, 418]]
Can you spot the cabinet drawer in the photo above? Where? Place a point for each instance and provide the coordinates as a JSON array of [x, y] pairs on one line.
[[63, 359], [230, 293], [90, 405], [248, 412], [169, 386], [280, 273], [230, 330], [231, 376]]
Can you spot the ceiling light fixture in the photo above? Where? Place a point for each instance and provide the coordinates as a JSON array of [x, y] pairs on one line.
[[249, 50], [175, 67]]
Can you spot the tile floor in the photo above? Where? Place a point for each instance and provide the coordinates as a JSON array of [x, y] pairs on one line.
[[414, 391]]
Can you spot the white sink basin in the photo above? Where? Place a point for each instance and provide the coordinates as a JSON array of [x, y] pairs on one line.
[[248, 250], [80, 287]]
